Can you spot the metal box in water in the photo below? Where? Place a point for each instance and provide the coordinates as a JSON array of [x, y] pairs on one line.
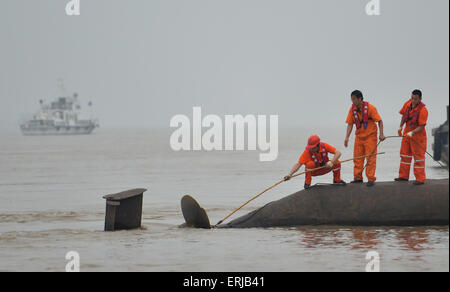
[[124, 210]]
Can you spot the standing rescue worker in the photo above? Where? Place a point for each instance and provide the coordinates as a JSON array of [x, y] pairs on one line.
[[365, 116], [414, 142], [315, 156]]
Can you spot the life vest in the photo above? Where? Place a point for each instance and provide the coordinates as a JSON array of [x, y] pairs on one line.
[[413, 117], [365, 115], [320, 158]]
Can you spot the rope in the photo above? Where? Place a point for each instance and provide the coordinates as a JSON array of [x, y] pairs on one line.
[[283, 180]]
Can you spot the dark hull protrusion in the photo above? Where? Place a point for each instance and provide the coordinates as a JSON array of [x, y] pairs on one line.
[[385, 204], [440, 145], [194, 215], [124, 210]]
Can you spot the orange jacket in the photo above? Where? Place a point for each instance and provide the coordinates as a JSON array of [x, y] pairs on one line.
[[372, 128], [422, 120], [307, 157]]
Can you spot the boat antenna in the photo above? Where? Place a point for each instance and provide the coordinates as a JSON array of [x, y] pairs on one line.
[[61, 87]]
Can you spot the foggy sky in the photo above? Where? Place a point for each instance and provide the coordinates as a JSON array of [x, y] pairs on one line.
[[143, 61]]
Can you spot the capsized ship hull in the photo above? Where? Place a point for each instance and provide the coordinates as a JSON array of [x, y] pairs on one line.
[[385, 204]]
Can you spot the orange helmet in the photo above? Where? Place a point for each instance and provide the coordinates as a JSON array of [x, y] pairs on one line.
[[313, 141]]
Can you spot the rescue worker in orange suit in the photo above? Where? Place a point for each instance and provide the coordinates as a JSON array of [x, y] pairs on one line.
[[414, 142], [315, 156], [365, 116]]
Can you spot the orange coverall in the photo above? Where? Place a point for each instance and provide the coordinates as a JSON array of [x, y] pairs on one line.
[[366, 141], [309, 163], [414, 149]]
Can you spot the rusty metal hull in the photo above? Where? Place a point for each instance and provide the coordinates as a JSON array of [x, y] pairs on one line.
[[385, 204]]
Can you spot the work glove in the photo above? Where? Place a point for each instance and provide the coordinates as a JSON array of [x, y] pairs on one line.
[[287, 177], [329, 164], [409, 134], [400, 130]]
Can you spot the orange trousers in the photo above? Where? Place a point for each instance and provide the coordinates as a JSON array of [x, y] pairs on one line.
[[311, 165], [365, 146], [408, 151]]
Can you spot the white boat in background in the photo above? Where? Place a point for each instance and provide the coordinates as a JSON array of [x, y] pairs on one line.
[[60, 117]]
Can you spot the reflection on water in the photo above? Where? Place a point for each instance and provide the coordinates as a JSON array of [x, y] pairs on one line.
[[159, 246], [365, 238], [408, 238], [413, 240]]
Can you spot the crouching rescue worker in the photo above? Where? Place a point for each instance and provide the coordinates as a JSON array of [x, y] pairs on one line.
[[414, 142], [315, 156], [365, 116]]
